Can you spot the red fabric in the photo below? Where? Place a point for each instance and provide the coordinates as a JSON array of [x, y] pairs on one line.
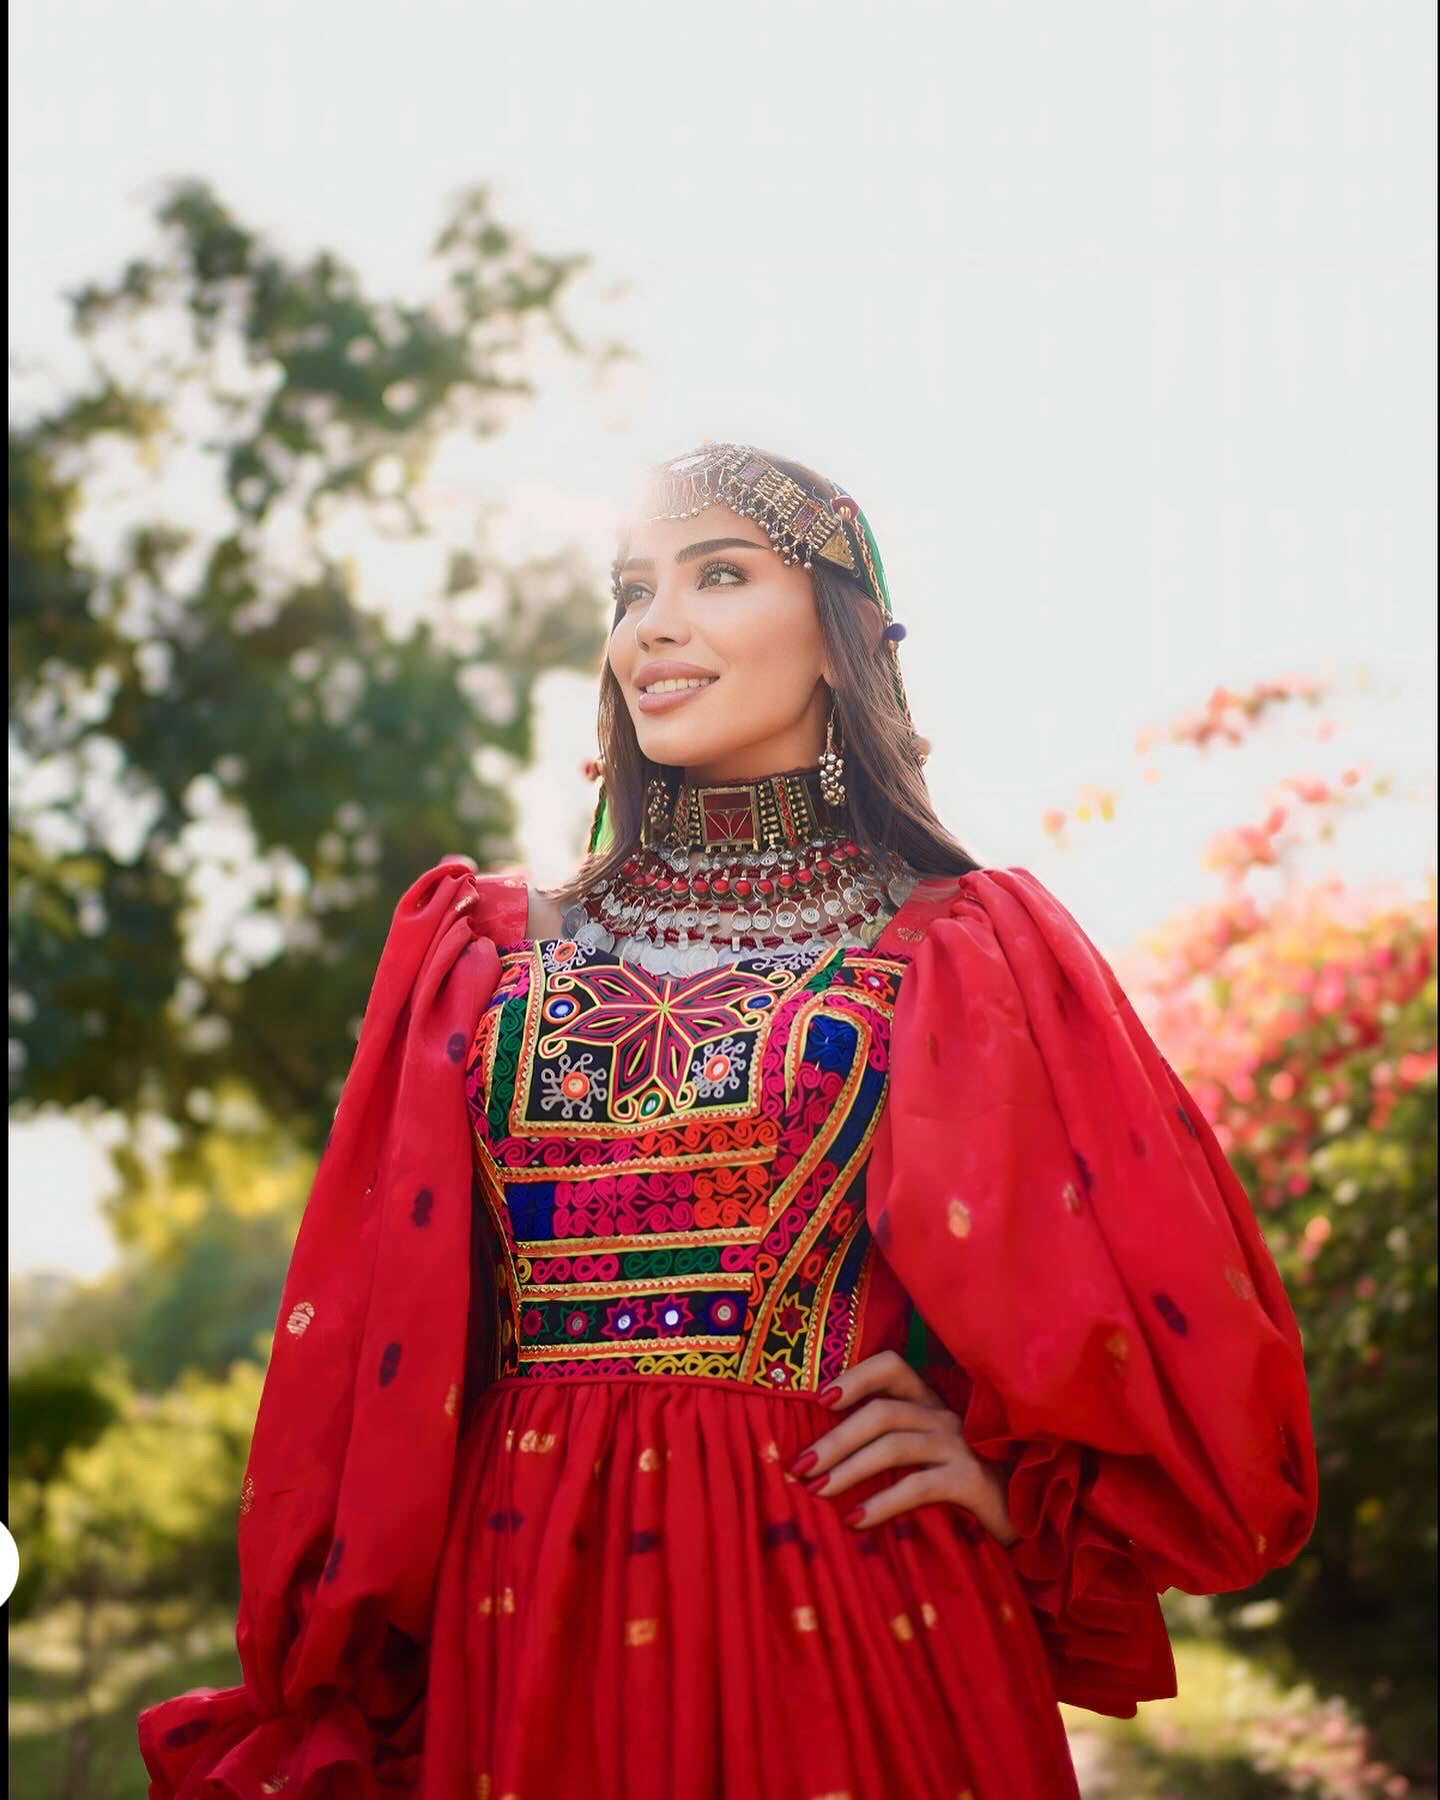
[[1064, 1220], [351, 1463], [1041, 1185], [636, 1600]]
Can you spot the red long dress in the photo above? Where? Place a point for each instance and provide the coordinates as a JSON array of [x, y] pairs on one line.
[[604, 1583]]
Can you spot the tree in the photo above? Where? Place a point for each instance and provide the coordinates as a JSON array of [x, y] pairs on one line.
[[212, 708]]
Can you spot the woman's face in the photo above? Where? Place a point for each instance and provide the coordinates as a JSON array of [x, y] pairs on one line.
[[706, 599]]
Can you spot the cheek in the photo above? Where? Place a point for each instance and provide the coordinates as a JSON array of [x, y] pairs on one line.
[[620, 652], [774, 642]]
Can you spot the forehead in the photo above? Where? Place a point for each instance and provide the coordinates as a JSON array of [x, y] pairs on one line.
[[662, 538]]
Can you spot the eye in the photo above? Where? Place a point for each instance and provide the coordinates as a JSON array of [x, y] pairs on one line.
[[634, 590], [719, 568]]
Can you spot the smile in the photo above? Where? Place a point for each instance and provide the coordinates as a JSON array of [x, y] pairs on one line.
[[665, 696]]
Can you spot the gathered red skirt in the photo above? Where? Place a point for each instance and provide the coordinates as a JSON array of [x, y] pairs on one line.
[[635, 1599]]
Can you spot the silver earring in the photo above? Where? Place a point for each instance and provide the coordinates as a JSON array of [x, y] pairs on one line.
[[832, 766], [657, 811]]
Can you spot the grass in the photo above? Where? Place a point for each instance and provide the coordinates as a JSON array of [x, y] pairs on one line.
[[148, 1658]]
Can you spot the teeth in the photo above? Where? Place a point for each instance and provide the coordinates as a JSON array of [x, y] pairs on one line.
[[673, 687]]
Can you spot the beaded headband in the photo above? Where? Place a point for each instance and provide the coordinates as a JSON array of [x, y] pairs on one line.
[[802, 523]]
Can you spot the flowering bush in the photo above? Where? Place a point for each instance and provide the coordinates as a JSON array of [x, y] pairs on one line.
[[1304, 1022]]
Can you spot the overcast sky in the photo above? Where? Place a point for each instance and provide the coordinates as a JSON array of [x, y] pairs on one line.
[[1119, 319]]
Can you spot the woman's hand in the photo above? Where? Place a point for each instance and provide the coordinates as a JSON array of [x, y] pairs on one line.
[[899, 1422]]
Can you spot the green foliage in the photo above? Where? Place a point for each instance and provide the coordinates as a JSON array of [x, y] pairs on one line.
[[55, 1406], [146, 1506], [213, 708]]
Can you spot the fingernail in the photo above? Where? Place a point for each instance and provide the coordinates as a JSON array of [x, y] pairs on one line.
[[829, 1395], [855, 1515], [817, 1482], [807, 1461]]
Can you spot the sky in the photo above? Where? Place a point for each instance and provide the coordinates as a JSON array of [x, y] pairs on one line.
[[1119, 320]]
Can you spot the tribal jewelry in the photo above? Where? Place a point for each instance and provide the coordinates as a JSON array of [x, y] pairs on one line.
[[832, 766], [770, 871], [771, 812]]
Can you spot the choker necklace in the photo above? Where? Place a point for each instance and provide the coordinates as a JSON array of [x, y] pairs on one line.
[[762, 864]]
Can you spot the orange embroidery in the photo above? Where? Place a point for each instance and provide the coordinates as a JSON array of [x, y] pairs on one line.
[[902, 1627], [639, 1632], [803, 1619], [300, 1317], [958, 1219]]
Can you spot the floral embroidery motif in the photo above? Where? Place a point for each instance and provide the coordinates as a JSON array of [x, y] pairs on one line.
[[720, 1068], [652, 1024], [672, 1164], [561, 954], [576, 1086]]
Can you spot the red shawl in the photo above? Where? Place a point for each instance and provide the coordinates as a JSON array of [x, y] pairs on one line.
[[1063, 1218], [1054, 1203]]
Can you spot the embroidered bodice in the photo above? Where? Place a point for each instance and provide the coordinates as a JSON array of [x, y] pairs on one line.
[[672, 1165]]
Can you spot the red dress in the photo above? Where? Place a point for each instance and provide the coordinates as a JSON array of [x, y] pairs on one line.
[[522, 1525]]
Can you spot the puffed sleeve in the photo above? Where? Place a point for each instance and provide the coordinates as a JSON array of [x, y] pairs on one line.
[[1064, 1220], [347, 1484]]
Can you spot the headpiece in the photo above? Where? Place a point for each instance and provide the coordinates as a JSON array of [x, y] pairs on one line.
[[802, 522]]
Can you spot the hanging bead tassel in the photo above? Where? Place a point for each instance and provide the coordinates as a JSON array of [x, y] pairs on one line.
[[832, 766]]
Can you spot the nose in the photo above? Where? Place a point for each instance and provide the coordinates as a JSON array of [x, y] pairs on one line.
[[663, 621]]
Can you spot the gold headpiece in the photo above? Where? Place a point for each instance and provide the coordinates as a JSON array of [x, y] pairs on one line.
[[801, 525]]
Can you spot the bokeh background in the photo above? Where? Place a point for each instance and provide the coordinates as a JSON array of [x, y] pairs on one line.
[[338, 332]]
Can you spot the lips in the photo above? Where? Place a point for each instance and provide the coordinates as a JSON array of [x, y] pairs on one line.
[[649, 673]]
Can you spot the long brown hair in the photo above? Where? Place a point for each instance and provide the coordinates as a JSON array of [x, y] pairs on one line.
[[888, 802]]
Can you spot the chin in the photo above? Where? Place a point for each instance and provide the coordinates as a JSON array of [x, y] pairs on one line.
[[679, 749]]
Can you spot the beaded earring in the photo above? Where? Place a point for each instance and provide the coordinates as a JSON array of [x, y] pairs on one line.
[[832, 765], [658, 805]]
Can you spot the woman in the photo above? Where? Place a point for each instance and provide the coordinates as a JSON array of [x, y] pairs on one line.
[[860, 1326]]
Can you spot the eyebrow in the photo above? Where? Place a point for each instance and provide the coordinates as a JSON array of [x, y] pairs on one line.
[[691, 551]]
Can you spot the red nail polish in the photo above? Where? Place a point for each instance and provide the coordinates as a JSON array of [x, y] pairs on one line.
[[816, 1483], [807, 1461], [829, 1395], [855, 1515]]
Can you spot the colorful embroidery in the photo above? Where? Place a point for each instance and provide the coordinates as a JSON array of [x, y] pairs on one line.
[[673, 1165]]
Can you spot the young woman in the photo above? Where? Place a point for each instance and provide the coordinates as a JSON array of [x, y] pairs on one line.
[[768, 1321]]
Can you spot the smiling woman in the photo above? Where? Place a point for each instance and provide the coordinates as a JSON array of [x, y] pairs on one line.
[[758, 585], [772, 1327]]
